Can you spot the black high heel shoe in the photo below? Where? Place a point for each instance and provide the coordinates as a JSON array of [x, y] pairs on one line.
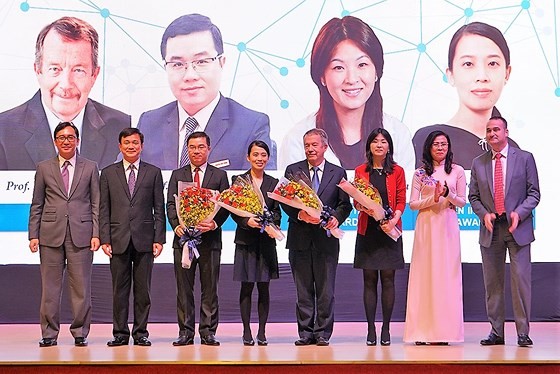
[[385, 338], [371, 340], [248, 342], [262, 341]]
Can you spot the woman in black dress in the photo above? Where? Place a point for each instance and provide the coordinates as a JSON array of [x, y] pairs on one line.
[[255, 259], [376, 253]]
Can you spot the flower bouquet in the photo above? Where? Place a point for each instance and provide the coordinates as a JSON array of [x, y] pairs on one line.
[[295, 192], [368, 196], [245, 199], [193, 206]]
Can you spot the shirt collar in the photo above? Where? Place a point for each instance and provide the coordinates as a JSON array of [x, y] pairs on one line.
[[202, 116], [504, 152], [136, 164], [62, 159], [321, 166]]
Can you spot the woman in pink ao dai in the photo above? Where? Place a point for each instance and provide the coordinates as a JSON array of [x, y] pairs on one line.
[[434, 310]]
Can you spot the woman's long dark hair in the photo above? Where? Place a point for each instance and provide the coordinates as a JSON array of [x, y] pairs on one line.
[[330, 35], [427, 158], [389, 162]]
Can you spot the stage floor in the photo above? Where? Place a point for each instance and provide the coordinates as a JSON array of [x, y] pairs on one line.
[[19, 346]]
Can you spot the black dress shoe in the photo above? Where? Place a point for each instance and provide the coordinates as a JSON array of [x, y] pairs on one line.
[[420, 343], [322, 342], [47, 342], [183, 340], [118, 341], [304, 341], [523, 340], [142, 341], [80, 342], [209, 340], [493, 339]]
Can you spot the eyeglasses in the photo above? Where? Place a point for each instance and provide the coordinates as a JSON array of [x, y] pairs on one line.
[[194, 148], [63, 138], [200, 66], [442, 145]]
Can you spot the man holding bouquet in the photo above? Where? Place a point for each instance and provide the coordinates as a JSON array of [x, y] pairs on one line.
[[313, 254], [207, 176]]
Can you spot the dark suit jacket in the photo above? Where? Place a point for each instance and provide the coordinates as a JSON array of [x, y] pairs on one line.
[[231, 129], [302, 234], [140, 217], [51, 209], [522, 193], [245, 234], [26, 138], [214, 179]]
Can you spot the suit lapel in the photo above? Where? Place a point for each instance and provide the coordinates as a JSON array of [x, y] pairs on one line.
[[94, 148], [171, 135], [55, 170], [489, 171], [326, 178], [217, 124], [78, 171], [36, 124], [120, 175], [139, 177], [511, 164], [207, 175]]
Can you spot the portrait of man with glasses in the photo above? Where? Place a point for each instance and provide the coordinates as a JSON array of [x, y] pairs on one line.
[[66, 66], [192, 50]]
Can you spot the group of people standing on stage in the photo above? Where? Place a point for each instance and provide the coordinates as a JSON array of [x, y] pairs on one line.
[[75, 211]]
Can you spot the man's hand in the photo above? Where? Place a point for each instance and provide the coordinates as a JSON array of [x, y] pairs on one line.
[[207, 225], [156, 249], [94, 244], [514, 221], [332, 223], [489, 219], [305, 217], [179, 230], [107, 249], [34, 245]]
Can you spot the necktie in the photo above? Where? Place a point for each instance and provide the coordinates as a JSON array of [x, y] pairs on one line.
[[131, 179], [315, 179], [499, 185], [65, 175], [197, 176], [190, 125]]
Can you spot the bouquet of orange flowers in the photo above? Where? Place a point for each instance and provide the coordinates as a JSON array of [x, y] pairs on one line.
[[245, 199], [193, 206], [296, 192], [368, 196]]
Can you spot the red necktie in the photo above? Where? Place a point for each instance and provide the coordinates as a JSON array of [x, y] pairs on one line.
[[499, 185], [196, 176]]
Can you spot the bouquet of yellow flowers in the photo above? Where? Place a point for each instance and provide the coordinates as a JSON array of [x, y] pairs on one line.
[[296, 192], [245, 199], [193, 205], [368, 196]]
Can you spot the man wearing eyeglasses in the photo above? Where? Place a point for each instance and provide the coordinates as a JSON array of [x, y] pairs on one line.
[[64, 229], [206, 176], [192, 49], [66, 66]]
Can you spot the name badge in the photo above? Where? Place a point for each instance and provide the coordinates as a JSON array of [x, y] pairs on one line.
[[220, 164]]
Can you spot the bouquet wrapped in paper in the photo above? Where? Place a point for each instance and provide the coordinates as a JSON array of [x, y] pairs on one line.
[[193, 205], [245, 199], [297, 193], [368, 196]]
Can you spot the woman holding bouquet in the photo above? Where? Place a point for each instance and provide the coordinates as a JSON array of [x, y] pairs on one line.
[[256, 260], [376, 253], [434, 312]]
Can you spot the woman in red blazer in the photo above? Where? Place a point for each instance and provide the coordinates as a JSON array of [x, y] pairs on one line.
[[376, 253]]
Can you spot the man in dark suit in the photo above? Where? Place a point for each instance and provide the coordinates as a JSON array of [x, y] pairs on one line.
[[132, 229], [313, 255], [64, 228], [193, 54], [210, 248], [66, 67], [503, 192]]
